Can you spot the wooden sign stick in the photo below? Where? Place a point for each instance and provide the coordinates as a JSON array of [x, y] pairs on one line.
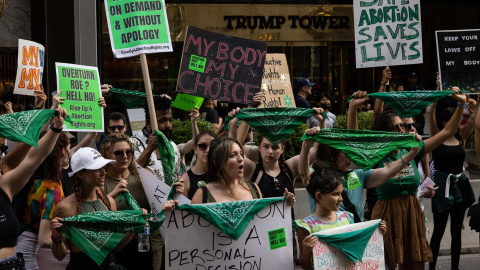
[[148, 91]]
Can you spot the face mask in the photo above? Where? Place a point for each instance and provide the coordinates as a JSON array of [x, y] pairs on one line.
[[325, 106]]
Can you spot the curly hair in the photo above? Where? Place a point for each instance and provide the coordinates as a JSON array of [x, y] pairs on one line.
[[54, 159], [160, 103], [77, 187], [107, 147], [322, 180]]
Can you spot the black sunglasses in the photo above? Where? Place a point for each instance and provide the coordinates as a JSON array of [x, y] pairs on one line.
[[398, 128], [203, 146], [277, 184], [116, 127], [121, 153], [408, 126]]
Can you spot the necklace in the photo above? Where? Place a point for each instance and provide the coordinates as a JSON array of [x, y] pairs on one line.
[[327, 217]]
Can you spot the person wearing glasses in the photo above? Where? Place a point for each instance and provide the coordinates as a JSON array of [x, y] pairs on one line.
[[117, 123]]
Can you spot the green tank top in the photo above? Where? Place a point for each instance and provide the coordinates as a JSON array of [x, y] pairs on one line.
[[92, 206]]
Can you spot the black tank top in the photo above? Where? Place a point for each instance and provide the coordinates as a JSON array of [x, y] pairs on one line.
[[449, 158], [194, 179], [274, 186], [9, 226]]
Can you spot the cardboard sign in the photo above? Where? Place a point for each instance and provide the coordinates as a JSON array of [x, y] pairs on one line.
[[459, 59], [327, 257], [387, 33], [31, 56], [81, 90], [137, 27], [186, 102], [136, 118], [221, 67], [276, 82], [193, 243]]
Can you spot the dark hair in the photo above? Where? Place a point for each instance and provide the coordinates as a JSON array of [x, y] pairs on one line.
[[328, 154], [281, 159], [51, 167], [204, 133], [116, 116], [110, 141], [218, 154], [160, 103], [384, 121], [77, 187], [324, 94], [445, 116], [322, 180]]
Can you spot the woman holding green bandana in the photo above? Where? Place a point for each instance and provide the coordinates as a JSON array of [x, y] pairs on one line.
[[405, 241]]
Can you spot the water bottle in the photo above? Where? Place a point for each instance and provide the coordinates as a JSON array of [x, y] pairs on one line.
[[144, 238]]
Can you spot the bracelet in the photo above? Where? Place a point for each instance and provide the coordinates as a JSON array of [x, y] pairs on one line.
[[464, 106], [403, 162], [384, 84], [54, 129], [57, 240]]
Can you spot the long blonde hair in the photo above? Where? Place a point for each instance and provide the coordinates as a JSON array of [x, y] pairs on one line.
[[107, 147]]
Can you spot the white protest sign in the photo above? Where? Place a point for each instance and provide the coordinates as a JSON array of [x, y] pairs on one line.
[[31, 56], [327, 257], [387, 33], [136, 118], [193, 243]]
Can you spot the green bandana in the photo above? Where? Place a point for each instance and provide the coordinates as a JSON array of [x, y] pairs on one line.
[[167, 153], [25, 126], [275, 124], [98, 233], [130, 99], [409, 103], [353, 244], [226, 126], [232, 218], [364, 147]]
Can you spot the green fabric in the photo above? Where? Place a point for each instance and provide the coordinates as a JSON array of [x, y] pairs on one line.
[[131, 203], [98, 233], [409, 103], [226, 126], [130, 99], [353, 244], [275, 124], [365, 148], [232, 218], [25, 126], [167, 153], [455, 195]]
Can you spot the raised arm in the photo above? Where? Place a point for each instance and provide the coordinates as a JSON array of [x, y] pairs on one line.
[[468, 127], [359, 98], [432, 123], [14, 157], [378, 106]]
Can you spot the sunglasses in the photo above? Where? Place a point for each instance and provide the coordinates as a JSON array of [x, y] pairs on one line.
[[203, 146], [398, 128], [408, 126], [277, 184], [116, 127], [121, 153]]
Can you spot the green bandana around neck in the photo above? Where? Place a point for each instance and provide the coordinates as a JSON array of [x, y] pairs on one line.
[[25, 126], [409, 103], [167, 153], [98, 233], [365, 148], [232, 218], [275, 124], [130, 99], [352, 244]]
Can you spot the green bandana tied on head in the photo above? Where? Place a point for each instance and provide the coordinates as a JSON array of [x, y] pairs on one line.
[[130, 99], [25, 126], [275, 124], [409, 103], [167, 153], [352, 244], [98, 233], [365, 148]]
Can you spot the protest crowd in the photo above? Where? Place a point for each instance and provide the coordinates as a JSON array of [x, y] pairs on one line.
[[81, 189]]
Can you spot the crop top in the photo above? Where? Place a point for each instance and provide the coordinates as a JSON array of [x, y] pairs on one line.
[[9, 226]]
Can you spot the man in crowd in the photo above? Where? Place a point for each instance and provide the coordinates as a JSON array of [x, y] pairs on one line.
[[304, 89], [210, 114], [117, 123]]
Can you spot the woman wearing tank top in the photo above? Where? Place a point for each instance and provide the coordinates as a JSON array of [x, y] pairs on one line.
[[448, 159]]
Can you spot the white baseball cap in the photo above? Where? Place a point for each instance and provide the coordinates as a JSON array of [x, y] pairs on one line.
[[87, 158]]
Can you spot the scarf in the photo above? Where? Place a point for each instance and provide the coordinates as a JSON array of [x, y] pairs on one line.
[[365, 148], [352, 243], [275, 124], [130, 99], [409, 103], [167, 153], [25, 126]]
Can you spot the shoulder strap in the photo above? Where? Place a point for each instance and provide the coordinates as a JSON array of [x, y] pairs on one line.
[[350, 207], [253, 190], [108, 202], [259, 177], [204, 194]]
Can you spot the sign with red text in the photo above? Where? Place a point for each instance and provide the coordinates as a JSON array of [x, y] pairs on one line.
[[193, 243], [31, 59], [276, 84], [387, 33], [327, 257], [221, 67]]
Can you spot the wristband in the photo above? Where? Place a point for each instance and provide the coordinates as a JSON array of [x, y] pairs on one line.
[[464, 106], [54, 129], [57, 240]]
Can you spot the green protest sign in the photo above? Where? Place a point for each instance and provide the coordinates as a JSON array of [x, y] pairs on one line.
[[186, 102], [137, 27], [81, 90], [277, 238]]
